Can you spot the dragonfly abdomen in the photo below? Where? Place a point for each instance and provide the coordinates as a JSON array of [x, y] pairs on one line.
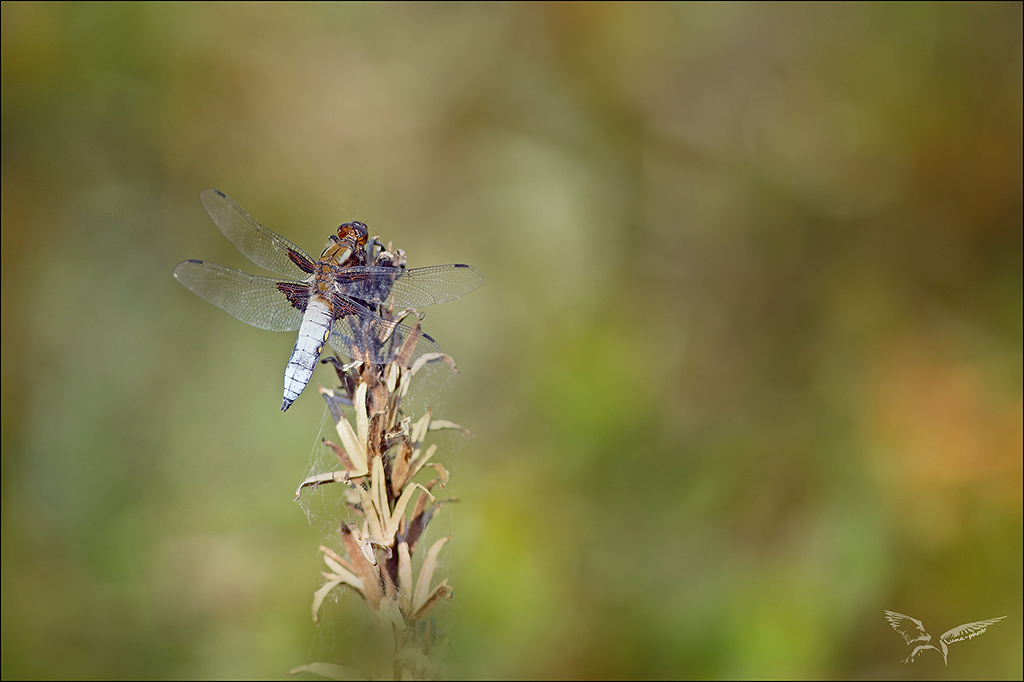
[[313, 333]]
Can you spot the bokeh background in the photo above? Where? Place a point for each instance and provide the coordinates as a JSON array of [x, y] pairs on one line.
[[746, 370]]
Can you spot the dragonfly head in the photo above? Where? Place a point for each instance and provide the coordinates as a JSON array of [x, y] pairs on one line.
[[354, 234]]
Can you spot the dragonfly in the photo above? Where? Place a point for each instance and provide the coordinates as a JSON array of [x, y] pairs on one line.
[[334, 299]]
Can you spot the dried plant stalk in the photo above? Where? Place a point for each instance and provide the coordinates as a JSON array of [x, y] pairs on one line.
[[380, 452]]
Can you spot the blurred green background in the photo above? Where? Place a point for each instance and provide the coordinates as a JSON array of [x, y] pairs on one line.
[[746, 370]]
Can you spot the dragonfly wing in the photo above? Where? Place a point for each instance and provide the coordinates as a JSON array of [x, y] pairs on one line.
[[259, 301], [415, 288], [361, 335], [263, 247]]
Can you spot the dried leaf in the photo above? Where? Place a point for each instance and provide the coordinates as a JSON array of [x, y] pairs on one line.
[[442, 473], [427, 574], [321, 594], [429, 358], [400, 506], [417, 526], [340, 575], [404, 576], [422, 502], [370, 576], [354, 446], [394, 613], [367, 549], [439, 424], [419, 430], [393, 374], [421, 515], [418, 462], [317, 479], [404, 381], [331, 671], [403, 353], [400, 469], [440, 592], [374, 524], [337, 570], [390, 589], [379, 495], [339, 452], [362, 418], [334, 556]]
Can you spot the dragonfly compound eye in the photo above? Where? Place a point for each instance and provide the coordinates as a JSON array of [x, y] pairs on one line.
[[355, 231]]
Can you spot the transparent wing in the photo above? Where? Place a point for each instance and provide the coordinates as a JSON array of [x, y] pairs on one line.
[[413, 288], [361, 335], [254, 300], [263, 247], [968, 630]]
